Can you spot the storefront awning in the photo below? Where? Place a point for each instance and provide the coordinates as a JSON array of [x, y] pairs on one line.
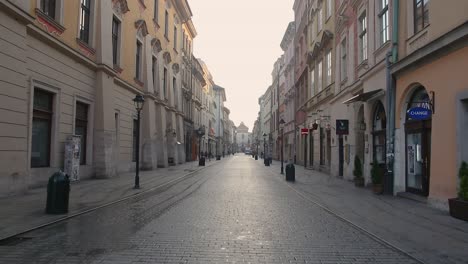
[[364, 97]]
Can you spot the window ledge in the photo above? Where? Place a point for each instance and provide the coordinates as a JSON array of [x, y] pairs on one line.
[[363, 64], [50, 24], [382, 47], [140, 83], [117, 68], [88, 50]]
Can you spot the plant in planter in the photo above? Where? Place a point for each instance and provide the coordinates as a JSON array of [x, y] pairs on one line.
[[376, 175], [357, 172], [459, 206]]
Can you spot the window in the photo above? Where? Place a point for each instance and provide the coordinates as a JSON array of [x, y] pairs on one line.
[[421, 15], [174, 90], [138, 60], [156, 11], [41, 128], [49, 8], [81, 128], [344, 73], [363, 37], [319, 79], [383, 20], [115, 40], [329, 8], [85, 17], [319, 20], [329, 68], [165, 83], [175, 38], [134, 139], [312, 83], [154, 70], [166, 25]]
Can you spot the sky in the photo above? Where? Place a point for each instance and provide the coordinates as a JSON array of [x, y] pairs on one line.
[[239, 41]]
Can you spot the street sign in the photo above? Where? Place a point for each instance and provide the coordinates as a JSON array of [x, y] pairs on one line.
[[304, 131], [342, 127], [419, 113]]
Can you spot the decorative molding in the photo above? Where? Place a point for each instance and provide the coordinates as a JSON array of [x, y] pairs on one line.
[[156, 44], [49, 24], [140, 83], [140, 25], [120, 6], [175, 68], [167, 58]]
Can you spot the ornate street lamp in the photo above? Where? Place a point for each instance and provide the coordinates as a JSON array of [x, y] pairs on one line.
[[139, 101], [281, 123]]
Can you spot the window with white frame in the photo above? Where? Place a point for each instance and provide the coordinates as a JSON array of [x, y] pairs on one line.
[[166, 24], [329, 8], [383, 22], [363, 37], [329, 68], [85, 20], [312, 82], [175, 37], [115, 40], [344, 63], [319, 20], [156, 11], [165, 83], [320, 75], [421, 15], [138, 60]]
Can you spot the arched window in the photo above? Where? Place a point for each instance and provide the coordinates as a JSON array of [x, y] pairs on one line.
[[379, 127]]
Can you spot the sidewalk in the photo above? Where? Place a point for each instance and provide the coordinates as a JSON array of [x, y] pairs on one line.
[[429, 234], [24, 212]]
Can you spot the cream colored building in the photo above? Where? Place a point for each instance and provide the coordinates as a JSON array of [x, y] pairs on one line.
[[74, 68]]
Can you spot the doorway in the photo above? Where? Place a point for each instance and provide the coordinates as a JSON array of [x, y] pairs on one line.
[[418, 145]]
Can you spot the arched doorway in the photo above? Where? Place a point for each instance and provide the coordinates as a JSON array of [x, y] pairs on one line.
[[379, 134], [418, 143]]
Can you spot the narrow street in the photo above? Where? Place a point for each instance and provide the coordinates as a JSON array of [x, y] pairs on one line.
[[236, 211]]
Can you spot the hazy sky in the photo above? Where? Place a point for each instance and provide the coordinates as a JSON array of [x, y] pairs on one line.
[[239, 41]]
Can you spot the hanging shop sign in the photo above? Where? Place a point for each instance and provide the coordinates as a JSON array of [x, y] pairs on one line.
[[342, 127], [419, 113], [304, 131]]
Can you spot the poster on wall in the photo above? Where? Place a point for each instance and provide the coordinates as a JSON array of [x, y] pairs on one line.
[[72, 157]]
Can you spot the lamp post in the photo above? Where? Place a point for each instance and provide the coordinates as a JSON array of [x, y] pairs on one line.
[[264, 145], [281, 122], [201, 133], [138, 101]]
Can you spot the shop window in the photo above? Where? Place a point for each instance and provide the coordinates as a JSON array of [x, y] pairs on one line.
[[41, 128]]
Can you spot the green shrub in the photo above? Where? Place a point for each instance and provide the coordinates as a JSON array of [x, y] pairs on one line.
[[357, 172], [376, 173], [463, 174]]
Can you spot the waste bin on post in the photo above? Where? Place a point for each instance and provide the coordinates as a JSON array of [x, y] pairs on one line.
[[201, 161], [290, 172], [58, 192]]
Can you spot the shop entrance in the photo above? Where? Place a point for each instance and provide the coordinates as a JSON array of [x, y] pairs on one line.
[[418, 143]]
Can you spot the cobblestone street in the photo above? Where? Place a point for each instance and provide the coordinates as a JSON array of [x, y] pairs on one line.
[[235, 211]]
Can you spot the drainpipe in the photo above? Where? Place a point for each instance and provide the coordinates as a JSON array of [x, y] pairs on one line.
[[391, 102]]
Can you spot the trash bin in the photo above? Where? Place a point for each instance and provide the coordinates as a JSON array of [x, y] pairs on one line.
[[290, 172], [256, 157], [58, 192], [201, 161], [266, 161]]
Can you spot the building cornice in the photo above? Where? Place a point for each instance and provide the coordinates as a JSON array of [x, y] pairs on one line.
[[18, 13]]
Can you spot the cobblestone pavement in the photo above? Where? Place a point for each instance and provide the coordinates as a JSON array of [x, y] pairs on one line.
[[232, 212]]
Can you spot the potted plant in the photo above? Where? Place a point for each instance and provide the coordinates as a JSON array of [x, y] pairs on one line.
[[376, 175], [357, 172], [459, 206]]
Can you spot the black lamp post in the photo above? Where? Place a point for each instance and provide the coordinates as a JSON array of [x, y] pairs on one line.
[[138, 101], [281, 123], [201, 133], [264, 145]]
